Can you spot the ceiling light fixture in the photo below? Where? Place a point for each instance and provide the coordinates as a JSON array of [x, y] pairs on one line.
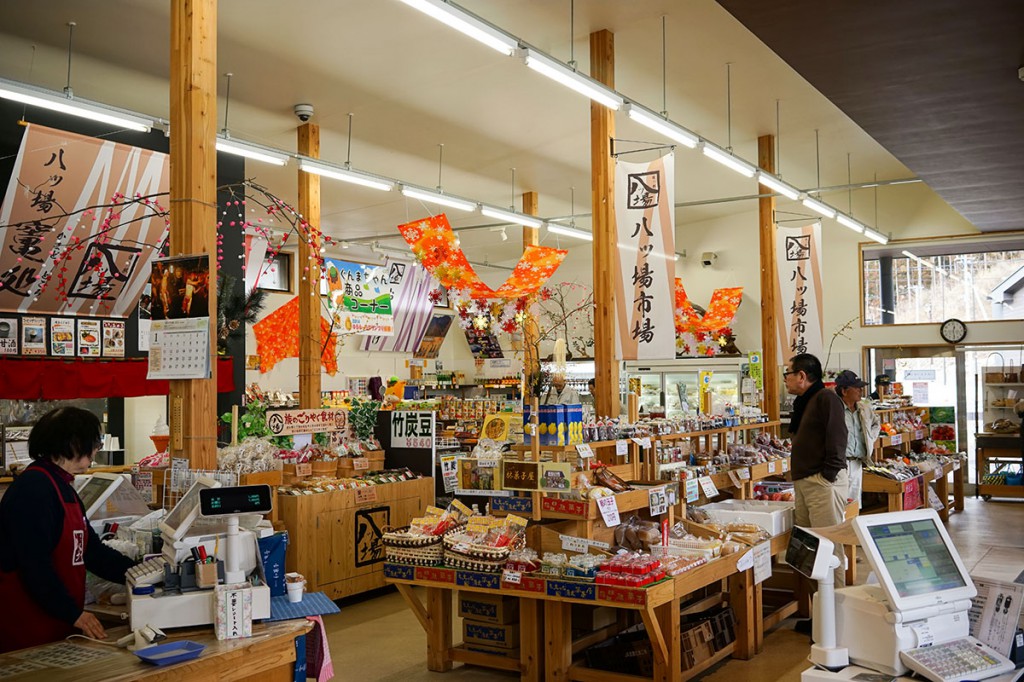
[[250, 150], [849, 222], [574, 80], [727, 159], [819, 207], [776, 185], [660, 124], [510, 216], [467, 23], [437, 198], [345, 175], [875, 235], [570, 232], [47, 99]]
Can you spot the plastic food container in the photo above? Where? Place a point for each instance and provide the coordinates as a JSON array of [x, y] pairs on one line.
[[170, 653]]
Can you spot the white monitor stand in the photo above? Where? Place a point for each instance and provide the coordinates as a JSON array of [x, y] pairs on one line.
[[813, 556]]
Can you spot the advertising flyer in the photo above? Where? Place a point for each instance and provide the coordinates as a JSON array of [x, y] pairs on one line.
[[89, 333], [8, 336], [62, 336], [113, 338], [33, 336]]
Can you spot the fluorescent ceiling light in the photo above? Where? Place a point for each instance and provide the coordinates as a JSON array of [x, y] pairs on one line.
[[660, 124], [776, 185], [875, 235], [515, 218], [821, 208], [585, 85], [435, 198], [345, 175], [47, 99], [849, 222], [570, 232], [726, 159], [467, 23], [251, 151]]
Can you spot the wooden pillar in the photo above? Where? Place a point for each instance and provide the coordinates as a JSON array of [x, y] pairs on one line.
[[309, 272], [602, 169], [193, 207], [770, 351], [531, 350]]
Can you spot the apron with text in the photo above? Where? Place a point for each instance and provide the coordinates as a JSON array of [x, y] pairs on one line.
[[25, 624]]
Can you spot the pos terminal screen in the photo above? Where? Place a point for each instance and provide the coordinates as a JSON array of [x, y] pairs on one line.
[[916, 557]]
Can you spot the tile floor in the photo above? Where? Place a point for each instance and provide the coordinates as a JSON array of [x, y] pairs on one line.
[[377, 638]]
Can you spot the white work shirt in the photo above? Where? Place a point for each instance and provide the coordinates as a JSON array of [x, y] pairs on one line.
[[855, 448], [567, 396]]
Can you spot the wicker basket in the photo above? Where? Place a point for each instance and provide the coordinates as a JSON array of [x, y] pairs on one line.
[[403, 547], [461, 552]]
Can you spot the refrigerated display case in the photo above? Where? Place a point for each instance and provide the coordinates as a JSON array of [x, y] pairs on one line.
[[673, 385]]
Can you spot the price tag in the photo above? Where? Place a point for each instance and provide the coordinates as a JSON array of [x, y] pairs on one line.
[[449, 472], [735, 478], [762, 562], [360, 463], [584, 450], [366, 494], [621, 447], [771, 467], [642, 442], [574, 544], [488, 462], [514, 577], [785, 465], [672, 491], [743, 473], [897, 439], [179, 469], [657, 500], [692, 490], [609, 510], [745, 562], [708, 486]]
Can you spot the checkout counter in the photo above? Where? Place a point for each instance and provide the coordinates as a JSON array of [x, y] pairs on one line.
[[913, 615]]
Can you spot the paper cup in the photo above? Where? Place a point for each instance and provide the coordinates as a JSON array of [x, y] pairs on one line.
[[295, 591]]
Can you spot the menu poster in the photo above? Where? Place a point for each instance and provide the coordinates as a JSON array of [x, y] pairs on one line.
[[33, 336], [113, 338], [62, 336], [89, 338], [8, 336]]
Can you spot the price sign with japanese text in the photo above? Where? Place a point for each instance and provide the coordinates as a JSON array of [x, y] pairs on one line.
[[412, 430], [609, 510]]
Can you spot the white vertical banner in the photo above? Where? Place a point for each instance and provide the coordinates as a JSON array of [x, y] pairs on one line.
[[798, 291], [645, 254]]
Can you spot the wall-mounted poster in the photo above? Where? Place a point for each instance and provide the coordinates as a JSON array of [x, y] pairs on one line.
[[180, 288], [62, 336], [33, 336], [8, 336], [113, 338], [89, 335], [483, 344], [433, 337]]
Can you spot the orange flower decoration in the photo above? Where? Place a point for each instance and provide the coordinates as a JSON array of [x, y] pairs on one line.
[[720, 312], [277, 338]]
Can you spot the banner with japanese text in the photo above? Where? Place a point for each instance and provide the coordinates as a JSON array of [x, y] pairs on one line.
[[411, 308], [645, 258], [798, 292], [359, 295], [70, 241]]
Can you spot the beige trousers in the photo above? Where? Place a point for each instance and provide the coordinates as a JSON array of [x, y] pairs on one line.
[[820, 504]]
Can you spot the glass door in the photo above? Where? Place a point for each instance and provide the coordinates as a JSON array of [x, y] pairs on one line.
[[681, 397], [651, 392]]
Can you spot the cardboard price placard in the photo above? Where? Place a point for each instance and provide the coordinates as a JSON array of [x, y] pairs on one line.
[[584, 450], [708, 486], [609, 511], [657, 500], [449, 472], [621, 448]]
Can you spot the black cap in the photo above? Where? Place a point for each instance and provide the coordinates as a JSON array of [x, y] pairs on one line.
[[883, 380], [848, 379]]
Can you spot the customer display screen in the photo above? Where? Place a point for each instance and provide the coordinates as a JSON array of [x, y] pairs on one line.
[[803, 548], [92, 490], [916, 557]]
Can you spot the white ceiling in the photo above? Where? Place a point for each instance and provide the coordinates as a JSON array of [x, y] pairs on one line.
[[413, 83]]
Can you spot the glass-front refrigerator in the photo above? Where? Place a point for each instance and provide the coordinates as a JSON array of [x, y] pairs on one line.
[[673, 385]]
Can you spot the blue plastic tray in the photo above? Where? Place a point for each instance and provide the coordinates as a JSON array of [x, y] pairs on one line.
[[172, 652]]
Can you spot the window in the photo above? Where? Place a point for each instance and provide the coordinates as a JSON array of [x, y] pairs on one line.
[[974, 279], [277, 273]]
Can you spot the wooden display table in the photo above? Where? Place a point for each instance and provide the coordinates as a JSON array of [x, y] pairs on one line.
[[267, 656], [335, 537], [996, 453], [546, 644], [902, 495]]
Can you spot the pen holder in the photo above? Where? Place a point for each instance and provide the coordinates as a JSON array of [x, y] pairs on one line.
[[208, 575]]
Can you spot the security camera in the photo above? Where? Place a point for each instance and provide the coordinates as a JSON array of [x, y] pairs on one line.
[[708, 258], [304, 111]]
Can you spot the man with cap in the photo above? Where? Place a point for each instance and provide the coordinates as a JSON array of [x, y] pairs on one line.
[[882, 381], [862, 425]]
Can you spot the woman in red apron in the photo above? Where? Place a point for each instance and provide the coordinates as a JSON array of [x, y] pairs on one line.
[[46, 544]]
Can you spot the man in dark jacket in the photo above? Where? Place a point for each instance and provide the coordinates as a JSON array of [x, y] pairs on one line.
[[818, 425]]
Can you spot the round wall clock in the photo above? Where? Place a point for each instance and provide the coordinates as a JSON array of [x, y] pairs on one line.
[[953, 330]]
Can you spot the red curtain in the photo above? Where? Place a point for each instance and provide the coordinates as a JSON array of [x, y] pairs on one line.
[[24, 378]]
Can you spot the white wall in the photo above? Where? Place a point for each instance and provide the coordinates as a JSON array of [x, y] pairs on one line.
[[140, 415]]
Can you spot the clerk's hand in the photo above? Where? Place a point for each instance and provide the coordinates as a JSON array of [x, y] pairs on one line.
[[90, 626]]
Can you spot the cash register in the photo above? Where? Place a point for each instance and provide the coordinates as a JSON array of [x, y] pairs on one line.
[[912, 616], [163, 590]]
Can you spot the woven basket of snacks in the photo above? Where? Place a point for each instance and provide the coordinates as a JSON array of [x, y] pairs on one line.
[[404, 547], [461, 551]]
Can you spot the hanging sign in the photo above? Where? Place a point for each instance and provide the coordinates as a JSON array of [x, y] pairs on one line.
[[798, 307], [359, 296], [291, 422], [756, 369], [411, 308], [704, 383], [412, 430], [645, 257]]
